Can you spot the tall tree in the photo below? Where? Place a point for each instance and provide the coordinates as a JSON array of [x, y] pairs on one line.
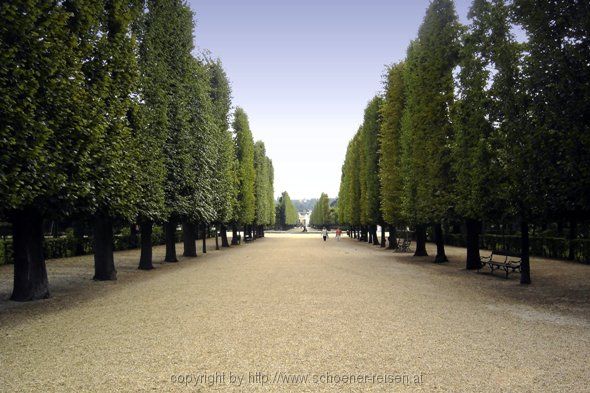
[[372, 196], [150, 123], [169, 31], [270, 193], [225, 177], [246, 174], [557, 82], [286, 212], [261, 188], [430, 95], [320, 215], [390, 170], [112, 75], [479, 181], [46, 131]]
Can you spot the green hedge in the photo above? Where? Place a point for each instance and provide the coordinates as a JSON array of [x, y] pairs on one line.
[[67, 246], [548, 247]]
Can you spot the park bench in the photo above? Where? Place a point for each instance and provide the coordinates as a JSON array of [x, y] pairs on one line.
[[501, 260], [248, 239], [403, 245]]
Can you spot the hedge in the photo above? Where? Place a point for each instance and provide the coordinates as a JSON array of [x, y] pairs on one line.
[[68, 246]]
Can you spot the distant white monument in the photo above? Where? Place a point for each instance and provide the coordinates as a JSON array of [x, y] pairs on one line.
[[304, 218]]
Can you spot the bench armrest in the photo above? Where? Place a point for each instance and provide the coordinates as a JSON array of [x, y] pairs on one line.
[[486, 259]]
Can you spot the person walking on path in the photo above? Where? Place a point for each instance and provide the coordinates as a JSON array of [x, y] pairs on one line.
[[338, 234], [325, 233]]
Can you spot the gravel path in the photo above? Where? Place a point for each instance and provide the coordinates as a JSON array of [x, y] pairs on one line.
[[345, 315]]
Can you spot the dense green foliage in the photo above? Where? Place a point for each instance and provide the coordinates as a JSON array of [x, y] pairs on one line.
[[246, 170], [286, 214], [323, 215], [263, 187], [557, 82], [390, 173], [225, 176], [46, 130]]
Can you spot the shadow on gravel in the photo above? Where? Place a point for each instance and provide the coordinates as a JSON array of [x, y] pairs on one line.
[[560, 286]]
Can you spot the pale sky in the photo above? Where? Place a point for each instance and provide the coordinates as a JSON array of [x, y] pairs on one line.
[[304, 71]]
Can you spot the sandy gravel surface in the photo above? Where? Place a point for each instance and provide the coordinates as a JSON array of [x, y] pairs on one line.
[[292, 306]]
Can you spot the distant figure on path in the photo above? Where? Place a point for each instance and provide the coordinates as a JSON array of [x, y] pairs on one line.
[[338, 234], [325, 233]]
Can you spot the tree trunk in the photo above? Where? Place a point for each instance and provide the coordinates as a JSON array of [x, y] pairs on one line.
[[104, 261], [30, 274], [189, 239], [383, 241], [473, 257], [573, 234], [145, 259], [420, 241], [234, 237], [375, 238], [216, 238], [525, 267], [392, 237], [440, 244], [170, 231], [224, 242], [204, 238]]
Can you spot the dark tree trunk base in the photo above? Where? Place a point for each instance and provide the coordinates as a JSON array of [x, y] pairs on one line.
[[204, 238], [169, 231], [234, 237], [420, 241], [30, 273], [525, 267], [216, 239], [145, 259], [104, 262], [383, 241], [440, 245], [473, 258], [392, 238], [188, 239], [224, 242]]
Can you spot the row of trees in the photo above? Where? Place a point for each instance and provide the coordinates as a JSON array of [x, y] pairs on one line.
[[476, 126], [286, 213], [323, 213], [107, 116]]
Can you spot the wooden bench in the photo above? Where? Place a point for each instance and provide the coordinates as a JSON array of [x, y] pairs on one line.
[[403, 245], [501, 260], [248, 239]]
